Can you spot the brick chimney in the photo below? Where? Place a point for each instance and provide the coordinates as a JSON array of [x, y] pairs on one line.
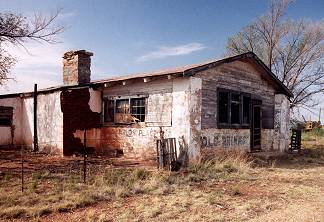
[[76, 67]]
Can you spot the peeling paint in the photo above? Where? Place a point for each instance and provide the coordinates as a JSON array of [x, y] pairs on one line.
[[281, 122], [50, 123], [95, 103]]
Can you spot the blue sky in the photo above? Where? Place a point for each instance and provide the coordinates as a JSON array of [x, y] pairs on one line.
[[137, 35]]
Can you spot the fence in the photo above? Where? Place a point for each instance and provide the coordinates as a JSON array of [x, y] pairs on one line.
[[24, 164], [166, 153]]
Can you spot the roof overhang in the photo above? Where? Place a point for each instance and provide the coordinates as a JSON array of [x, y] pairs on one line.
[[186, 71], [245, 56]]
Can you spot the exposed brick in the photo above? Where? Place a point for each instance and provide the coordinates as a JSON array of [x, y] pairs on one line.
[[76, 67], [77, 115]]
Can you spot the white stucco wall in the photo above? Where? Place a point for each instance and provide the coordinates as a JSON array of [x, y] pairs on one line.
[[139, 140], [49, 124], [195, 105], [18, 124], [281, 123]]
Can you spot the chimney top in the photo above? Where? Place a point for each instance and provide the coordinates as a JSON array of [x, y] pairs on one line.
[[70, 54], [76, 67]]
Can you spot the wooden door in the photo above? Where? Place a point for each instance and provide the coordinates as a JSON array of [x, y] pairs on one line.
[[256, 128]]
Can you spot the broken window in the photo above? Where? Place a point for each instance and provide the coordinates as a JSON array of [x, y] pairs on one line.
[[138, 108], [122, 106], [6, 114], [233, 109], [109, 111], [125, 110]]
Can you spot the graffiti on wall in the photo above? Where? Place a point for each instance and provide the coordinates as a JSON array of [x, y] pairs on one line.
[[221, 140], [143, 132]]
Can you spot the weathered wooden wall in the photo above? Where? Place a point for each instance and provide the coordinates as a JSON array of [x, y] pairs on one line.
[[239, 76]]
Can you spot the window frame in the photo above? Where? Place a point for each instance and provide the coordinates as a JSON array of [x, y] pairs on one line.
[[239, 102], [229, 124], [114, 99], [6, 112], [250, 109], [221, 124]]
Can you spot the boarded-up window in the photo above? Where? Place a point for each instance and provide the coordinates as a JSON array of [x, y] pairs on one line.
[[159, 109], [6, 114]]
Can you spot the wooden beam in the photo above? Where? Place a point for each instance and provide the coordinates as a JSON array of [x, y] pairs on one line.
[[35, 120]]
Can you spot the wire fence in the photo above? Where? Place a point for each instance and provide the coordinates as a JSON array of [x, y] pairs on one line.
[[24, 164]]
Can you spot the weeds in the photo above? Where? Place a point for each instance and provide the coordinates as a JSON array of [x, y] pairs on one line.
[[312, 135], [68, 194], [221, 165], [179, 192], [236, 191]]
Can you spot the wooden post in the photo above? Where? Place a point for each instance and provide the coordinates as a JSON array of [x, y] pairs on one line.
[[22, 168], [84, 156], [35, 120]]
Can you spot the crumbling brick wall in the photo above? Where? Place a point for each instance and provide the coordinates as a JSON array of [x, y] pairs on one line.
[[77, 115]]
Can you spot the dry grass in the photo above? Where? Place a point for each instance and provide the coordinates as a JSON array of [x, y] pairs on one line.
[[47, 193], [227, 187]]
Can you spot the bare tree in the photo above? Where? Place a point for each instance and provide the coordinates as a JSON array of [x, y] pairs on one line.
[[293, 50], [16, 29]]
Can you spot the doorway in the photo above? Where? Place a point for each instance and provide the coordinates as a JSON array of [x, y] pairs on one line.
[[256, 126]]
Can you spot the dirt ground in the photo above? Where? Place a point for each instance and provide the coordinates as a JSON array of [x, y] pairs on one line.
[[11, 162], [281, 189]]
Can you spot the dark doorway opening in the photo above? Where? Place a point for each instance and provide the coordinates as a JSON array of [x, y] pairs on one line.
[[256, 126]]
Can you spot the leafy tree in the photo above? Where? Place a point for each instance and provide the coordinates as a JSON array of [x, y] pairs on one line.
[[293, 50], [16, 30]]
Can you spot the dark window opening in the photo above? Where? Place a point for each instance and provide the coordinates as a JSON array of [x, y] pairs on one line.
[[6, 114], [223, 113], [5, 121], [235, 109], [246, 110], [257, 114]]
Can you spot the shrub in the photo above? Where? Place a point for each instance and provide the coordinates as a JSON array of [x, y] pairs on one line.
[[221, 163]]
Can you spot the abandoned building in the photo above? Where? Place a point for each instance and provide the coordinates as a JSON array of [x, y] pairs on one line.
[[232, 103]]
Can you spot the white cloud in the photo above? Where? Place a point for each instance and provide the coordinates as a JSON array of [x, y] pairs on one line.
[[64, 15], [164, 51], [41, 64]]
